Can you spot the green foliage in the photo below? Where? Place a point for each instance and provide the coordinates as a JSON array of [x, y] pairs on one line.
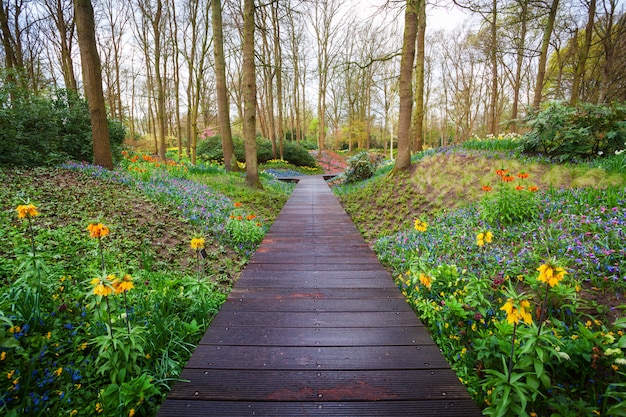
[[360, 168], [47, 129], [503, 142], [510, 202], [577, 133], [210, 149]]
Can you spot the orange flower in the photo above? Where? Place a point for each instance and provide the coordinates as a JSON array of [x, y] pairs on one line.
[[124, 284], [97, 230], [502, 172], [519, 188], [28, 210], [250, 217], [486, 188], [522, 175], [238, 204], [533, 188], [239, 217], [508, 178]]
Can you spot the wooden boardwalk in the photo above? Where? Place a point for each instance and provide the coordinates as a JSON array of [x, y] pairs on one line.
[[316, 327]]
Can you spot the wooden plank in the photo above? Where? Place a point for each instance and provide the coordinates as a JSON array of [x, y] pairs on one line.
[[289, 336], [315, 319], [279, 304], [319, 358], [218, 384], [420, 408]]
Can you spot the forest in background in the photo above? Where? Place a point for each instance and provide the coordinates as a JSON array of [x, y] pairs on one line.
[[326, 70]]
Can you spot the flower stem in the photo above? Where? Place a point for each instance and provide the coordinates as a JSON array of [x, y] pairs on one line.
[[544, 306], [101, 256], [109, 316], [126, 307], [198, 256], [512, 353]]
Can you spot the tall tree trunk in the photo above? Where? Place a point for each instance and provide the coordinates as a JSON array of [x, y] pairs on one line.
[[543, 55], [92, 77], [403, 160], [493, 102], [280, 131], [223, 107], [517, 82], [418, 121], [584, 53], [249, 92]]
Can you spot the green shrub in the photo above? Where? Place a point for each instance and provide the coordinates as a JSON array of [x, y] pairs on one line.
[[568, 133], [47, 129], [360, 168], [210, 149]]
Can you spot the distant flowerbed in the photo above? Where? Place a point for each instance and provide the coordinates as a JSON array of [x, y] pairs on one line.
[[513, 291]]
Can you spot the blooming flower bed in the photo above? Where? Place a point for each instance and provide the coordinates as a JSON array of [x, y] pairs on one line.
[[511, 303]]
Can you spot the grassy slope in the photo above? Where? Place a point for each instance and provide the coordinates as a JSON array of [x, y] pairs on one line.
[[388, 204]]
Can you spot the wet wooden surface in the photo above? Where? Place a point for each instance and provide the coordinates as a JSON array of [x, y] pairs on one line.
[[316, 327]]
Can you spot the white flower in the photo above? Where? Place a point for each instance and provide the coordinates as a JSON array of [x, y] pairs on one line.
[[620, 361], [614, 351], [620, 152], [600, 153], [564, 355]]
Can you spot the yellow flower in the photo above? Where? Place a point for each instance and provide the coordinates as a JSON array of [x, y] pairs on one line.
[[26, 210], [420, 226], [73, 412], [131, 413], [124, 284], [426, 281], [197, 243], [99, 408], [3, 356], [550, 274], [103, 287], [97, 230], [515, 313], [483, 237]]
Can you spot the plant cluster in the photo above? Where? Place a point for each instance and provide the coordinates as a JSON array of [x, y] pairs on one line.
[[106, 338], [576, 133], [47, 129], [512, 201], [360, 168], [512, 307], [245, 231]]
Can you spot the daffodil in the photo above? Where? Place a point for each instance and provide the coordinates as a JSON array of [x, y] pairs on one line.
[[550, 274], [26, 211], [197, 243]]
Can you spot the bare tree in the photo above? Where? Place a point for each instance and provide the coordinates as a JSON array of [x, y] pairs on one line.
[[61, 13], [403, 161], [249, 91], [223, 106], [543, 54], [579, 68], [85, 27]]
